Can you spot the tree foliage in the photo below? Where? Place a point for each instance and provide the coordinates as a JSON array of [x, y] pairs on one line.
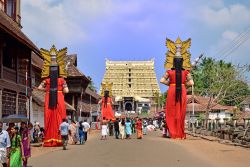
[[91, 84], [223, 82]]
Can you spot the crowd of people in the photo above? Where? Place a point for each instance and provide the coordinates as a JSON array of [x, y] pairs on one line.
[[15, 145], [74, 133], [15, 141], [123, 128]]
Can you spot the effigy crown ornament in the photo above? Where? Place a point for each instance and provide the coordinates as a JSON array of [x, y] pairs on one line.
[[178, 49], [178, 41], [54, 57]]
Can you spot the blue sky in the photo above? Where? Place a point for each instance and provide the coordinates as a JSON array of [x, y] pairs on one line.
[[136, 29]]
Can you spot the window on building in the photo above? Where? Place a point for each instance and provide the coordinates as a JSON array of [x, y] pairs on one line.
[[129, 80], [10, 8], [129, 85], [9, 58], [22, 104], [8, 102]]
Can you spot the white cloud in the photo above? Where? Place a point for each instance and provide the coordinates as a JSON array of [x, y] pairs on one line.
[[229, 35], [232, 16], [58, 22]]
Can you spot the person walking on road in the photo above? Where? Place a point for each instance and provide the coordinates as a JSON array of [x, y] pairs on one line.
[[72, 135], [111, 127], [81, 133], [4, 146], [16, 153], [25, 134], [139, 129], [116, 127], [128, 129], [122, 128], [86, 128], [145, 124], [104, 129], [64, 130]]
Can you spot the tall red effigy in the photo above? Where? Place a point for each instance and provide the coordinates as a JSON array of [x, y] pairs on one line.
[[53, 74]]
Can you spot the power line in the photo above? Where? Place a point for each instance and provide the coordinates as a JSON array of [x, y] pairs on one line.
[[236, 43]]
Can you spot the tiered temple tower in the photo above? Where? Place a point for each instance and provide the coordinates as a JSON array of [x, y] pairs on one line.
[[134, 83]]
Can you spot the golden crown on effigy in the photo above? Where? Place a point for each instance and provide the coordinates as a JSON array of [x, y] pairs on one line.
[[107, 87], [178, 49], [54, 57]]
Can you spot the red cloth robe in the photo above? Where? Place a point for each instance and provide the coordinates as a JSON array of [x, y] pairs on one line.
[[53, 117], [107, 111], [139, 129], [176, 111]]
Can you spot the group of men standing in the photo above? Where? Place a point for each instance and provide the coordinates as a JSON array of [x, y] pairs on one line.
[[81, 132]]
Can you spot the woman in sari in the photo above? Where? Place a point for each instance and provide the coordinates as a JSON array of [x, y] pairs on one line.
[[128, 129], [72, 136], [122, 128], [16, 153], [25, 134], [139, 129]]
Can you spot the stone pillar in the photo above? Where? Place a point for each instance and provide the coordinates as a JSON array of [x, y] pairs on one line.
[[217, 122], [209, 124], [234, 122], [203, 122], [245, 122], [225, 121]]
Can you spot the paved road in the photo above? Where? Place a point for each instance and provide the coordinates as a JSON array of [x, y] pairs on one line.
[[152, 151]]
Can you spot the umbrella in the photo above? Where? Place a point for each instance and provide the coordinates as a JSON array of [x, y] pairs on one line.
[[14, 119], [151, 127]]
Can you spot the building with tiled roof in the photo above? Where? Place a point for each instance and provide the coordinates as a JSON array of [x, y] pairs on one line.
[[200, 105], [246, 104], [15, 61]]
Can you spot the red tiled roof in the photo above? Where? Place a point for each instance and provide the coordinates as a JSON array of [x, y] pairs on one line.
[[36, 61], [204, 102], [85, 107], [245, 114], [73, 71], [197, 107], [12, 28]]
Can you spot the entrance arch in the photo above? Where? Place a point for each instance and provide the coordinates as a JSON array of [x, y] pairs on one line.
[[128, 106]]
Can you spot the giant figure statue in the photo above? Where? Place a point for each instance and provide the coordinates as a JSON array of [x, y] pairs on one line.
[[53, 74], [107, 111], [177, 77]]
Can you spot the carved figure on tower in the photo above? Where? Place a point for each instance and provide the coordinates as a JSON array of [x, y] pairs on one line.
[[53, 74], [106, 101], [177, 77]]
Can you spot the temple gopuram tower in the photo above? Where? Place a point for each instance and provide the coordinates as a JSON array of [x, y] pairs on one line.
[[134, 84]]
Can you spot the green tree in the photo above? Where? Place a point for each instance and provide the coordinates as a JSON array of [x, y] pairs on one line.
[[91, 84], [222, 82]]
